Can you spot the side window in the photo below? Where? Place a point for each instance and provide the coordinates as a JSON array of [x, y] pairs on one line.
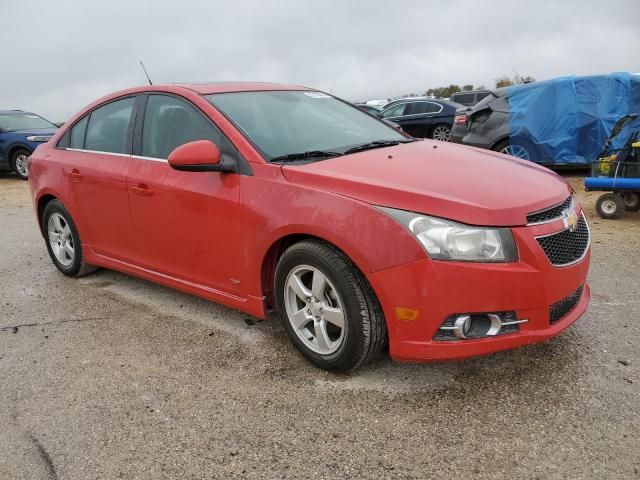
[[170, 122], [464, 98], [108, 125], [481, 95], [396, 111], [77, 133], [421, 107], [433, 107]]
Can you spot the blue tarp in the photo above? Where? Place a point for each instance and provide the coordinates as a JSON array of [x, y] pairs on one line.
[[567, 120]]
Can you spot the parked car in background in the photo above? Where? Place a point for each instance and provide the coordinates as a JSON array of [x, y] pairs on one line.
[[263, 196], [20, 133], [486, 125], [468, 99], [372, 109], [557, 122], [422, 117]]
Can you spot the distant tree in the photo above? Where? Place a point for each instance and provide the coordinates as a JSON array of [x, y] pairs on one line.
[[467, 88], [444, 92], [503, 81], [506, 81], [481, 87]]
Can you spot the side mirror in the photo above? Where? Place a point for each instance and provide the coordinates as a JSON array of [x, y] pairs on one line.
[[198, 156]]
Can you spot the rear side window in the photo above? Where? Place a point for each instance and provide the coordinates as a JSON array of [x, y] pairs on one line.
[[170, 122], [419, 107], [77, 133], [433, 107], [108, 126], [481, 95]]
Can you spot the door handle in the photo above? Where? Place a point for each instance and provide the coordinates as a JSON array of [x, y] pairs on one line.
[[142, 190], [75, 175]]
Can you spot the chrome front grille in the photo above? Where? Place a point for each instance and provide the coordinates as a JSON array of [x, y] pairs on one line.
[[551, 213], [566, 247]]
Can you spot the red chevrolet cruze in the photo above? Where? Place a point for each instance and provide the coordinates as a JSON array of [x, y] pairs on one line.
[[260, 195]]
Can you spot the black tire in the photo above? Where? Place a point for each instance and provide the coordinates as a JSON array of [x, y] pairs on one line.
[[444, 132], [631, 201], [17, 165], [365, 335], [609, 206], [78, 267]]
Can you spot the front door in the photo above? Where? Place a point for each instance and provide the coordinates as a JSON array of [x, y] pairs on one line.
[[187, 224]]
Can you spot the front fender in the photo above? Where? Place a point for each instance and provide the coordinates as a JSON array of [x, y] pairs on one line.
[[274, 209]]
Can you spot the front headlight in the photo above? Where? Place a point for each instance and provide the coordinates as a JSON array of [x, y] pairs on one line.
[[447, 240], [39, 138]]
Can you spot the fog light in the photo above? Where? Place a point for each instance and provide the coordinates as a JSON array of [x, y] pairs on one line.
[[478, 325], [462, 326]]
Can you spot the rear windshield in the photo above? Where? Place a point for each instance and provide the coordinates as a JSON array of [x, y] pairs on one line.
[[23, 121]]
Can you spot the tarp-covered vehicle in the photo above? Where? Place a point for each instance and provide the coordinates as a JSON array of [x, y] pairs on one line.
[[563, 121]]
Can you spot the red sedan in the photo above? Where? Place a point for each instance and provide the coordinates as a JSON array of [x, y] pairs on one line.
[[264, 196]]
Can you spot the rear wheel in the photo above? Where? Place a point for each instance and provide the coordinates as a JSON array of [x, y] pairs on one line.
[[63, 241], [513, 150], [631, 201], [19, 163], [441, 132], [609, 206], [327, 307]]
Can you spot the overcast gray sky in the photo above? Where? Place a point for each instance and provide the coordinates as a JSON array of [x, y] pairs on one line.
[[58, 55]]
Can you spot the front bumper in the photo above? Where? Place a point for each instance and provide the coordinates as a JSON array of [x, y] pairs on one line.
[[439, 289]]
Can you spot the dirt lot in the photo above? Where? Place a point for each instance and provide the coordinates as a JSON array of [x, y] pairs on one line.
[[113, 377]]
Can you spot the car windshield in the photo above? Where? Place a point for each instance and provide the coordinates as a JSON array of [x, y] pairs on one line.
[[289, 123], [23, 121]]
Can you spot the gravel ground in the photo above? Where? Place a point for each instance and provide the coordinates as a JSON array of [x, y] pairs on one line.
[[114, 377]]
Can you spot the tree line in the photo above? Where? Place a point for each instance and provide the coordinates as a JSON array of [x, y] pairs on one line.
[[446, 92]]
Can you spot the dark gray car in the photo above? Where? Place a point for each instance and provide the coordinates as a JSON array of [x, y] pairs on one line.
[[486, 125]]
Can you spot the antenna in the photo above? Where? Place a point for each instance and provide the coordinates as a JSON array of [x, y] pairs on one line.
[[145, 73]]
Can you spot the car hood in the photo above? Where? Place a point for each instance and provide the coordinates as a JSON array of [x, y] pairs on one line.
[[470, 185], [35, 131]]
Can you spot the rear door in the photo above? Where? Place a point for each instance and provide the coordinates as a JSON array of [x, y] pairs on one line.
[[96, 159], [187, 224]]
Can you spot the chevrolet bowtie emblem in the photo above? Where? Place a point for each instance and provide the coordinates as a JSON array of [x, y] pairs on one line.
[[570, 219]]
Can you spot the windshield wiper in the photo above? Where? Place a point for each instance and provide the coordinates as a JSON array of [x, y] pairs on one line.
[[292, 157], [377, 144]]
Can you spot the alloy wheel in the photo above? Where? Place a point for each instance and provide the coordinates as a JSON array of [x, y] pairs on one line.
[[516, 151], [314, 309], [21, 164], [60, 239], [442, 133]]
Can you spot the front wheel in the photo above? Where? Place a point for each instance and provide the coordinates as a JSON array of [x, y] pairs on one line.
[[327, 307], [19, 163], [442, 133], [609, 206]]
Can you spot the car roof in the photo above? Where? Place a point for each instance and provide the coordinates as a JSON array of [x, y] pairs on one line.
[[443, 101], [206, 88], [470, 91]]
